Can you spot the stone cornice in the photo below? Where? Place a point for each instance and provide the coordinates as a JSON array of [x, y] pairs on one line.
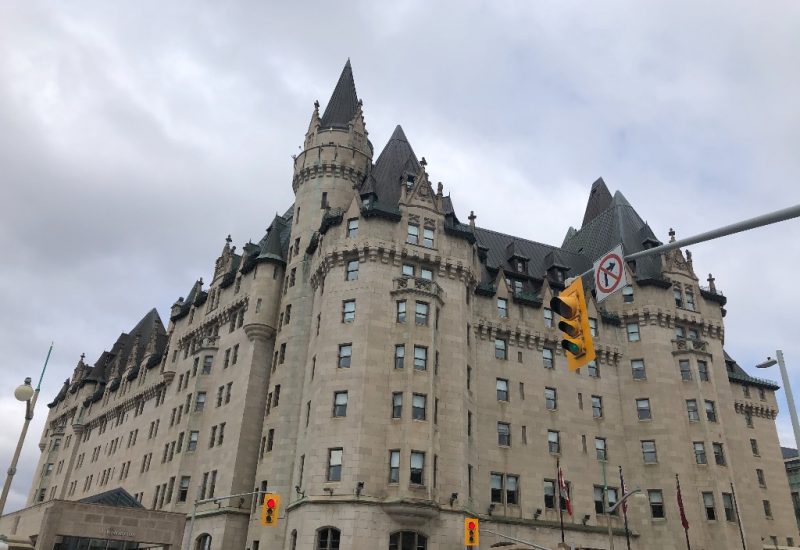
[[206, 328]]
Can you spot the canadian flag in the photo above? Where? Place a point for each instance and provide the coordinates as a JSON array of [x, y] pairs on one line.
[[563, 490]]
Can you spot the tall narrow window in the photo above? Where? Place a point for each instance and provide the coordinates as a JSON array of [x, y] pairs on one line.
[[397, 405], [418, 406], [401, 311], [686, 371], [649, 453], [502, 308], [417, 468], [412, 237], [627, 294], [600, 448], [335, 464], [727, 505], [702, 371], [708, 504], [691, 409], [348, 311], [502, 389], [420, 358], [719, 454], [656, 498], [633, 332], [700, 452], [427, 238], [597, 406], [550, 399], [399, 356], [394, 466], [711, 411], [340, 404], [547, 358], [421, 313], [352, 228], [504, 434], [548, 317], [324, 202], [345, 354], [500, 349], [553, 442], [637, 367], [643, 409], [352, 270]]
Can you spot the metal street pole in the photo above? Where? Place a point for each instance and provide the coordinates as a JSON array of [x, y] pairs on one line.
[[789, 398], [30, 403], [197, 501], [613, 509], [515, 540]]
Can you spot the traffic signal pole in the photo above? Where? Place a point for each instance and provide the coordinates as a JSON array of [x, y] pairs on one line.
[[738, 227]]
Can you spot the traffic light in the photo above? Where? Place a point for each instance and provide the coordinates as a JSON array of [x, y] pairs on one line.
[[571, 306], [269, 512], [471, 532]]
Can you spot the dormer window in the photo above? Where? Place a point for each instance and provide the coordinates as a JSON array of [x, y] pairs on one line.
[[520, 266], [409, 183]]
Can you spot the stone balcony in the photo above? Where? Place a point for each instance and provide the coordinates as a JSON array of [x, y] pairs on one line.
[[689, 345], [417, 286], [207, 343]]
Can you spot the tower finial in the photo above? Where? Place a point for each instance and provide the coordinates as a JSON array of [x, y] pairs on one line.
[[711, 286], [671, 235], [471, 218]]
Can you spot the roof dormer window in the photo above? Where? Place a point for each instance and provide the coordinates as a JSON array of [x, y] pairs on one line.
[[409, 182]]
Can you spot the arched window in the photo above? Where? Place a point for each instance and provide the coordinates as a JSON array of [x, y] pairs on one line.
[[408, 540], [203, 542], [328, 538], [294, 539]]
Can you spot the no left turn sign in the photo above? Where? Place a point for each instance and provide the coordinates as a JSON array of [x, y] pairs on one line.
[[609, 274]]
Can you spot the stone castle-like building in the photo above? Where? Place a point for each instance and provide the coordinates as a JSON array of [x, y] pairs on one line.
[[388, 369]]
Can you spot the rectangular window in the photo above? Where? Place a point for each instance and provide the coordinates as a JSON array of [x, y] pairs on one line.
[[288, 317], [191, 444], [270, 439], [548, 317], [399, 356], [547, 358], [417, 468], [686, 371], [767, 509], [656, 498], [397, 405], [504, 434], [719, 454], [627, 294], [549, 494], [427, 238], [708, 504], [352, 271], [412, 236], [421, 313], [727, 506], [502, 389], [335, 464], [553, 442], [401, 311], [207, 362], [637, 367], [633, 332], [496, 488], [593, 369], [649, 453], [600, 448], [597, 406], [593, 326], [408, 270], [762, 482], [599, 504], [748, 419], [426, 274], [678, 299], [348, 311], [324, 201], [420, 358], [340, 404], [418, 406], [702, 371], [352, 228], [502, 308], [394, 466], [691, 410], [754, 447], [550, 399], [643, 409], [200, 401], [345, 354], [183, 488], [292, 276], [711, 411], [700, 452], [500, 349], [689, 300], [512, 489]]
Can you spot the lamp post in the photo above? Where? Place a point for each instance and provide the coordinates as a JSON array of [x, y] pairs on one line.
[[613, 509], [787, 389], [26, 393]]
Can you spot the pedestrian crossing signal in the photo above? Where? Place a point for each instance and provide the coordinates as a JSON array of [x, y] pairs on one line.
[[269, 512], [471, 531]]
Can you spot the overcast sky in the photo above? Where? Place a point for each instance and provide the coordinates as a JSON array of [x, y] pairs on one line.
[[134, 138]]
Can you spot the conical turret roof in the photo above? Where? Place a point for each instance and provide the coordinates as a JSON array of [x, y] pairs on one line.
[[396, 158], [344, 101]]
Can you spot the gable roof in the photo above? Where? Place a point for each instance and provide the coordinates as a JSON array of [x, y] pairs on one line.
[[118, 497], [343, 103]]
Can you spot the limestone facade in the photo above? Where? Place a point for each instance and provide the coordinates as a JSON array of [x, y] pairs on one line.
[[294, 348]]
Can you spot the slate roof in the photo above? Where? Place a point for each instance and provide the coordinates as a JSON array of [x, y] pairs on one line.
[[384, 180], [343, 103], [617, 223], [737, 374], [788, 452], [275, 244]]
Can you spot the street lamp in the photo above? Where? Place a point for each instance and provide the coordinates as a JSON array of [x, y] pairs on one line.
[[787, 389], [26, 393], [614, 508]]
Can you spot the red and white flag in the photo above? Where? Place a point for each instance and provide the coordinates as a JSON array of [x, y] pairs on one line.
[[563, 490]]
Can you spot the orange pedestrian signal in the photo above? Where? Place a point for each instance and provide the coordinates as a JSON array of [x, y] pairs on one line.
[[570, 304], [269, 512], [471, 532]]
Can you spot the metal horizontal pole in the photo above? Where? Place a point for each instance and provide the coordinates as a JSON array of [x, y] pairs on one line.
[[216, 499], [515, 540]]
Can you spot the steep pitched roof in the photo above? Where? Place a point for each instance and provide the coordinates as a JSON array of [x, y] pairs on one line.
[[617, 223], [738, 374], [396, 159], [599, 201], [344, 101], [271, 247]]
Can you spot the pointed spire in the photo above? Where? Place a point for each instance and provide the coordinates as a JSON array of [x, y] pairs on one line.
[[599, 201], [344, 101]]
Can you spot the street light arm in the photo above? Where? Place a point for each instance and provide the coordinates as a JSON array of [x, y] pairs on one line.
[[625, 497]]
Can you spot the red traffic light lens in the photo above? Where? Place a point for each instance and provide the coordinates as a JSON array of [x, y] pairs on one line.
[[471, 525], [271, 503]]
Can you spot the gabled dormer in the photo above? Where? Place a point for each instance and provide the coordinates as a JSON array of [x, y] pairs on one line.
[[517, 261], [556, 268]]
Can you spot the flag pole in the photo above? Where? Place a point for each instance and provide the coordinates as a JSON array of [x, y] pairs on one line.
[[625, 508], [560, 507], [684, 521]]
